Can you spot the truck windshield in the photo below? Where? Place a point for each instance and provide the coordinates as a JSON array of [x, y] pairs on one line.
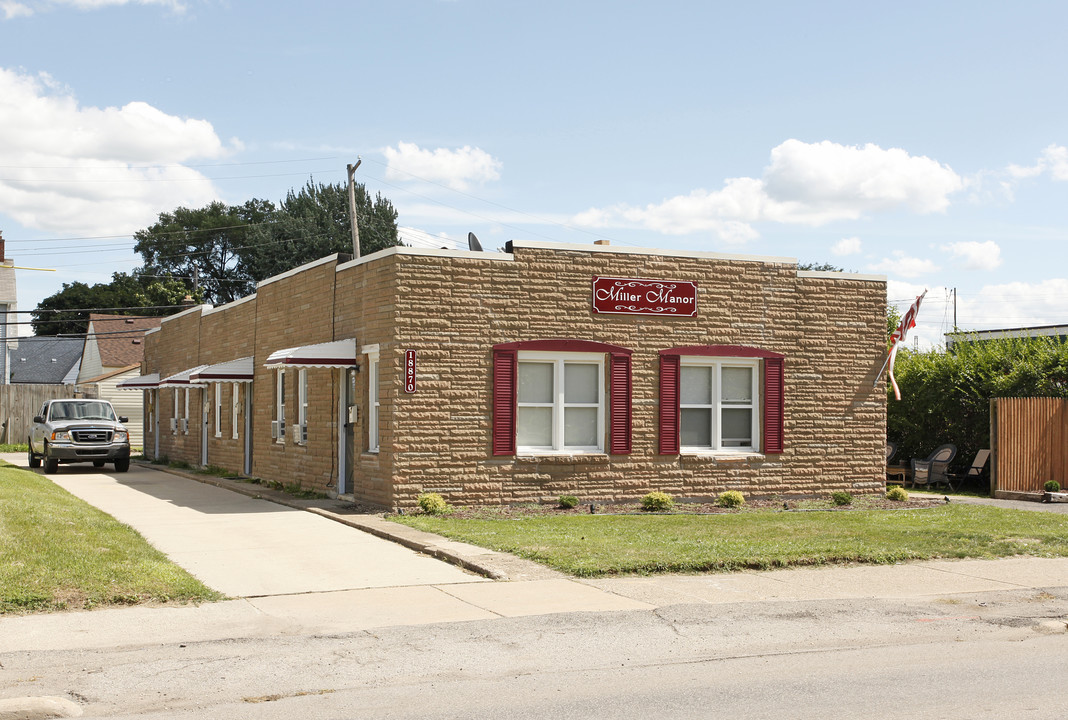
[[82, 411]]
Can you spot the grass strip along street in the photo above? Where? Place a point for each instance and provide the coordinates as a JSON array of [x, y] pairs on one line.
[[598, 545], [59, 553]]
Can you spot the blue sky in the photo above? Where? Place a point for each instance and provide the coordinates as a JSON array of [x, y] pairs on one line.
[[925, 141]]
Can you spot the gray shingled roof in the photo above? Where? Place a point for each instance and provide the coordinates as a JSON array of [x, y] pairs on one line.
[[47, 360]]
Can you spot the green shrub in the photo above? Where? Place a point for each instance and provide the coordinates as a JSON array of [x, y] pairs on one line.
[[568, 501], [731, 499], [657, 502], [433, 504], [841, 497], [1052, 486], [897, 493]]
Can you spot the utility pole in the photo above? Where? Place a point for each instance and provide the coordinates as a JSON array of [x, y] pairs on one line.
[[352, 207], [954, 309]]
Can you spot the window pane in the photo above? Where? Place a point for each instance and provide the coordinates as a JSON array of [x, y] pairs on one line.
[[696, 427], [534, 427], [580, 383], [737, 428], [535, 382], [695, 386], [580, 427], [737, 384]]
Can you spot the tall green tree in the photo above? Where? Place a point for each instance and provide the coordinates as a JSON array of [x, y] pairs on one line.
[[204, 246], [66, 312], [313, 222]]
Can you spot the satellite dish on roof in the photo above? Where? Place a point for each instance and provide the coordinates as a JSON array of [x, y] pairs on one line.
[[473, 243]]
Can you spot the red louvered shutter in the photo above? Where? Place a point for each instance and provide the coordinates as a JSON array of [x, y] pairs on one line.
[[619, 411], [504, 402], [773, 405], [669, 404]]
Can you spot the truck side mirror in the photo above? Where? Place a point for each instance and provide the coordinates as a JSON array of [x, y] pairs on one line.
[[38, 419], [123, 419]]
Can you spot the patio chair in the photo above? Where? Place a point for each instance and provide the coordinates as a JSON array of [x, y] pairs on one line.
[[975, 472], [932, 470]]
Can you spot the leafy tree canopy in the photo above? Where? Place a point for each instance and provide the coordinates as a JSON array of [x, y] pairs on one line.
[[124, 291]]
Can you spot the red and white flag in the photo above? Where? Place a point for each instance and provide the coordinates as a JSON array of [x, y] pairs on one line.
[[907, 323]]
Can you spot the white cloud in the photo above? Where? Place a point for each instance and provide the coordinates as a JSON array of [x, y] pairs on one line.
[[455, 168], [901, 265], [806, 183], [846, 246], [1054, 160], [12, 9], [94, 170], [976, 255]]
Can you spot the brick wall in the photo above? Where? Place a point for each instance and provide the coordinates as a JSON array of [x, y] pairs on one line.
[[228, 333]]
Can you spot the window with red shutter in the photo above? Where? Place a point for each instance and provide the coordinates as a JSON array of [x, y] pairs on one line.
[[712, 400], [547, 397]]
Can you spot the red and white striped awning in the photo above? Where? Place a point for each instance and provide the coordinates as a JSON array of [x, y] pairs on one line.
[[141, 382], [182, 379], [339, 353], [240, 370]]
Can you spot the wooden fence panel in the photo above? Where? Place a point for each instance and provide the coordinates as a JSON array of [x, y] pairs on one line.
[[20, 402], [1030, 443]]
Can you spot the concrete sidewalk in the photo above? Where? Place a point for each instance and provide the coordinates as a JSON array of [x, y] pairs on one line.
[[182, 513]]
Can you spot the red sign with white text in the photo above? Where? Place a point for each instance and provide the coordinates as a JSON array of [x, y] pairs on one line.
[[409, 371], [634, 296]]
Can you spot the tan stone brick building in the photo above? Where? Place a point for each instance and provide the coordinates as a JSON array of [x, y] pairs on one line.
[[518, 376]]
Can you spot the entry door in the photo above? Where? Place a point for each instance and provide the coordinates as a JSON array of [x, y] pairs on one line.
[[349, 395]]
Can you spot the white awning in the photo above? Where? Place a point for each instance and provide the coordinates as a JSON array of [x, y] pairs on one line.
[[182, 379], [141, 382], [240, 370], [340, 353]]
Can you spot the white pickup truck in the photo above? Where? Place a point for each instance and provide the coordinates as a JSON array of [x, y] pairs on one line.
[[79, 430]]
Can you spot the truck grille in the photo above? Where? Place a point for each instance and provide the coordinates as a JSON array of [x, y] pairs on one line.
[[92, 436]]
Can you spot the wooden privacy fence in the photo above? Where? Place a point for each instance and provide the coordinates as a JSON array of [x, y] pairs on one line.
[[19, 403], [1029, 439]]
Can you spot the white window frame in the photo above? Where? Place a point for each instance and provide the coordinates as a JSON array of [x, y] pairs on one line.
[[218, 409], [302, 404], [185, 417], [558, 405], [280, 403], [174, 430], [717, 405], [373, 400], [235, 395]]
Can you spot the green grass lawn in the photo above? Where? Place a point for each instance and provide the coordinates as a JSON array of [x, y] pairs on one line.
[[595, 545], [59, 553]]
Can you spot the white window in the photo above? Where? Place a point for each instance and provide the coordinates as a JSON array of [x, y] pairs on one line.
[[372, 402], [280, 404], [302, 403], [218, 410], [560, 401], [235, 407], [185, 417], [718, 403], [174, 418]]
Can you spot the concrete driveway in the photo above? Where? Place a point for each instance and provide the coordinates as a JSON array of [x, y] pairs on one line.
[[247, 547]]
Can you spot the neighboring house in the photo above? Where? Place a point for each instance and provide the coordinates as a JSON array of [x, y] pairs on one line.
[[114, 348], [520, 376], [46, 360], [1057, 332], [8, 305]]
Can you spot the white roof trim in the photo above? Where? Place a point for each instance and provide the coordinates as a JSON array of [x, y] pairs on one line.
[[428, 252], [699, 254], [296, 270], [240, 370], [195, 308], [339, 353], [149, 332], [141, 382], [230, 304], [182, 379], [831, 275]]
